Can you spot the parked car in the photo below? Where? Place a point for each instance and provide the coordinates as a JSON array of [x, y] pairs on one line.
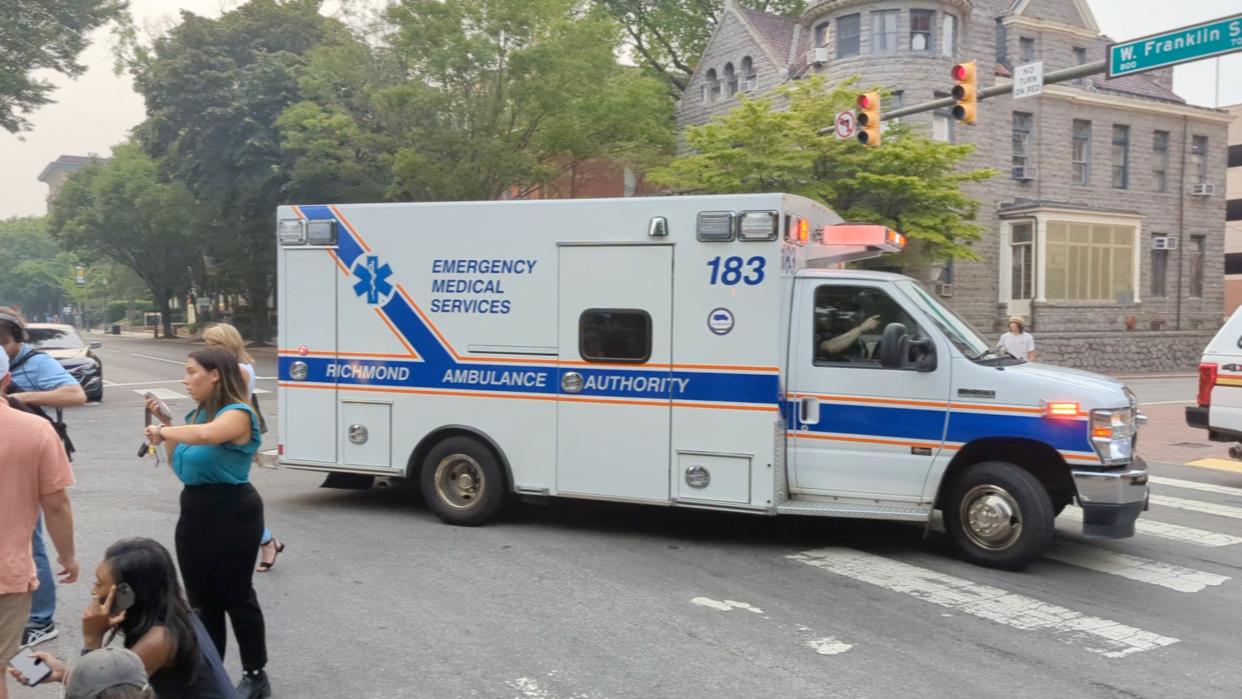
[[1218, 405], [65, 345]]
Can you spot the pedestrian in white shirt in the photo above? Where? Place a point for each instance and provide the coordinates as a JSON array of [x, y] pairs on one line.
[[1017, 343]]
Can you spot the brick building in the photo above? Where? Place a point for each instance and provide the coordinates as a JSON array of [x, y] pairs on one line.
[[1233, 214], [1099, 229]]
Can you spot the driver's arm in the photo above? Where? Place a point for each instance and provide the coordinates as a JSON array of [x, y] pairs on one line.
[[842, 342]]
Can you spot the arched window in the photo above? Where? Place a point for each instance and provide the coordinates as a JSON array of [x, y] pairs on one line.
[[730, 77], [713, 85], [748, 72]]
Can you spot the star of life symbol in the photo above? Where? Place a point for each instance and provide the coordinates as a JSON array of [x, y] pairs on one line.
[[373, 280]]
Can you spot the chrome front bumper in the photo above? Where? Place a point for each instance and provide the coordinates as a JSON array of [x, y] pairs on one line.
[[1111, 499]]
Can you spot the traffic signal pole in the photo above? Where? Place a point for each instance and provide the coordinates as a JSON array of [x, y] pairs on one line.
[[1057, 76]]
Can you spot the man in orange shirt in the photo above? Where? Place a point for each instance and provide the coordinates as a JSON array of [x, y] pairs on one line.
[[34, 473]]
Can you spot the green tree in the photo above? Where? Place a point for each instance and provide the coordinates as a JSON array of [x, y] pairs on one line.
[[215, 89], [43, 35], [31, 266], [121, 210], [497, 96], [910, 183], [669, 36]]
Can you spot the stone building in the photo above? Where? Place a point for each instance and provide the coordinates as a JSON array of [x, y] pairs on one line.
[[1233, 214], [1106, 225], [57, 172]]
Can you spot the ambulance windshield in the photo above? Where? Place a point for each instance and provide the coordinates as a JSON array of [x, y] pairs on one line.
[[957, 330]]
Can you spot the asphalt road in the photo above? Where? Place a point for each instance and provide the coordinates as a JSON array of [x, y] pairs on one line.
[[376, 598]]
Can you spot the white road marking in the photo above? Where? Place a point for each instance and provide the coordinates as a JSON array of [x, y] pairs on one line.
[[1166, 402], [1132, 567], [159, 359], [1196, 485], [142, 383], [725, 606], [1173, 532], [529, 687], [828, 646], [260, 390], [161, 393], [1209, 508], [1093, 634]]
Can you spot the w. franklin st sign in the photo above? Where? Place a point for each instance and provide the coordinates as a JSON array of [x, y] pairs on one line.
[[1204, 40]]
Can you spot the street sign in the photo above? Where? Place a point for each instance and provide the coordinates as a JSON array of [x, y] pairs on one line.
[[846, 125], [80, 275], [1203, 40], [1028, 80]]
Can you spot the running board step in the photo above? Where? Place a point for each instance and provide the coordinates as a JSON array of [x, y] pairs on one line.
[[854, 510]]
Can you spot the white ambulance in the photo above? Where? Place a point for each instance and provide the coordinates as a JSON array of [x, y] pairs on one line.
[[706, 352]]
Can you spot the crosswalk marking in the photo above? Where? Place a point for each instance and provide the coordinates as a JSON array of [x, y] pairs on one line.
[[1217, 464], [1093, 634], [1173, 532], [1196, 485], [1210, 508], [161, 393], [1132, 567]]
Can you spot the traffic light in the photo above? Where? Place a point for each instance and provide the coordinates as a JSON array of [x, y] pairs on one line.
[[869, 119], [965, 92]]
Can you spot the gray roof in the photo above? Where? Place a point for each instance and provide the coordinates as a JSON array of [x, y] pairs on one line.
[[777, 30], [66, 162], [1136, 85], [996, 8]]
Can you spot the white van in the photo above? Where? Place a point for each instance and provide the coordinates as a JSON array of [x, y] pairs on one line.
[[1218, 407], [702, 352]]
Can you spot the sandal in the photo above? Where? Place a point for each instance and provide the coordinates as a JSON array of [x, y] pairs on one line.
[[265, 566]]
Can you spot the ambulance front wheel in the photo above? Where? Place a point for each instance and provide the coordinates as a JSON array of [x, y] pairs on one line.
[[999, 515], [462, 482]]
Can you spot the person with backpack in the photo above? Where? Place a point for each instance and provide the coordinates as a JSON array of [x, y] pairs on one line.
[[38, 382]]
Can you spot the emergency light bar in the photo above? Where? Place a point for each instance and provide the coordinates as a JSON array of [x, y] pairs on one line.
[[849, 242]]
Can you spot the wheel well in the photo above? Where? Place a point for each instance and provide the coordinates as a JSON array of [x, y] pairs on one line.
[[1041, 460], [429, 442]]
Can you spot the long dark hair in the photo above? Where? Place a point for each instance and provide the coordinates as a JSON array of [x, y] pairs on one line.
[[147, 567], [231, 388]]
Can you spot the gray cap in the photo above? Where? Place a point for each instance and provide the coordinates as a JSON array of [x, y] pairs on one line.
[[104, 669]]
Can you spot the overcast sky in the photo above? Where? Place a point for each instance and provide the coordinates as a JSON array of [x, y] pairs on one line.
[[96, 111]]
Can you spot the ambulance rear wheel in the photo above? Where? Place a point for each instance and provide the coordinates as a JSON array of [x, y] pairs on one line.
[[462, 482], [999, 515]]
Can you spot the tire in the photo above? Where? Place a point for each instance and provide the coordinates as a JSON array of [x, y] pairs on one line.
[[991, 489], [462, 482], [96, 397]]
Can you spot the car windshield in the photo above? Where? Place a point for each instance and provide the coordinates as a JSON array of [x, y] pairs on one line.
[[959, 332], [54, 338]]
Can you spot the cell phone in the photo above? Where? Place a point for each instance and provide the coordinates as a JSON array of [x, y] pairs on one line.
[[124, 599], [32, 668], [161, 408]]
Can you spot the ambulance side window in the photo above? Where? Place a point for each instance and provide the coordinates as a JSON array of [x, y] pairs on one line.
[[849, 322], [614, 335]]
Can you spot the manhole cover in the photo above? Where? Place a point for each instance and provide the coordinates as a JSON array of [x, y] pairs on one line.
[[1190, 445]]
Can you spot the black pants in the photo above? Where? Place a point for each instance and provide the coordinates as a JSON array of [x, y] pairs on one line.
[[217, 542]]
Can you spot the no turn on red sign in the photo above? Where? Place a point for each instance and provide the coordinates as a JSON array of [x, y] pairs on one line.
[[846, 125]]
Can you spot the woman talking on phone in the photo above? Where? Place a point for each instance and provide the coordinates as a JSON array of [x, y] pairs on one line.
[[221, 520]]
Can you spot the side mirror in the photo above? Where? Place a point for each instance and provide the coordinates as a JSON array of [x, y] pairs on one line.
[[96, 345], [896, 348]]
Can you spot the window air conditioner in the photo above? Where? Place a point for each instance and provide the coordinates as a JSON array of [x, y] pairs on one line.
[[1203, 189], [1024, 173], [945, 289], [1164, 242], [817, 56]]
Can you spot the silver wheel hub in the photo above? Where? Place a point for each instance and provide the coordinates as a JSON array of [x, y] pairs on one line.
[[459, 481], [991, 517]]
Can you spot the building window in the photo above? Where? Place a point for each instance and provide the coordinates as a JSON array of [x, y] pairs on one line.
[[1089, 262], [821, 35], [1026, 49], [884, 33], [1023, 137], [713, 85], [730, 79], [1159, 271], [1080, 55], [1198, 159], [1160, 161], [1081, 152], [848, 40], [942, 122], [614, 335], [921, 30], [1121, 156], [948, 36], [1198, 246], [1002, 43], [1022, 261], [748, 72]]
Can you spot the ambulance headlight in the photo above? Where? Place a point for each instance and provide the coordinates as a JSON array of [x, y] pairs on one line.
[[1113, 435], [291, 232], [321, 232], [298, 371], [758, 225]]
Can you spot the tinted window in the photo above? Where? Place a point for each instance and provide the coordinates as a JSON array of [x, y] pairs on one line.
[[849, 322], [53, 338], [614, 335]]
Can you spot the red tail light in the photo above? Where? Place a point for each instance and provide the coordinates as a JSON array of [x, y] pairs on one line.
[[280, 449], [1207, 379]]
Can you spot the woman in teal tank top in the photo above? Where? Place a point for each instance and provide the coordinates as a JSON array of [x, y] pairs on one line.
[[221, 519]]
